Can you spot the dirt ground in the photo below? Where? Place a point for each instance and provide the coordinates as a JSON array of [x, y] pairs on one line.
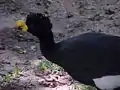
[[69, 18]]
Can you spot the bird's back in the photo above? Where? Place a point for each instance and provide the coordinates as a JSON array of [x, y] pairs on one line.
[[90, 54]]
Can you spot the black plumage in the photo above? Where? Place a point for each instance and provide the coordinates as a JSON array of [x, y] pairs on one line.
[[85, 57]]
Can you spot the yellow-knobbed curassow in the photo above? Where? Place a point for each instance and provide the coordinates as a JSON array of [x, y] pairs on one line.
[[90, 58]]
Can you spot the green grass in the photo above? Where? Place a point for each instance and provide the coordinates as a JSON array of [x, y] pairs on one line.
[[8, 77], [47, 65]]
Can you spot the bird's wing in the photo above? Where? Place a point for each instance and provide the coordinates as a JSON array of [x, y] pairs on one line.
[[90, 51]]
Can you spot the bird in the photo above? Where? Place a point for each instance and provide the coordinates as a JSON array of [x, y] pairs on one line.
[[92, 58]]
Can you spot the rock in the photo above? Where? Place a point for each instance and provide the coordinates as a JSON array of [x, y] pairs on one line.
[[69, 15], [109, 12], [33, 48]]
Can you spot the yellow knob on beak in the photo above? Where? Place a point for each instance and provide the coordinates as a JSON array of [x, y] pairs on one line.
[[21, 24]]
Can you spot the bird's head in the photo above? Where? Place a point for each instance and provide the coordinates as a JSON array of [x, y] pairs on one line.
[[36, 23]]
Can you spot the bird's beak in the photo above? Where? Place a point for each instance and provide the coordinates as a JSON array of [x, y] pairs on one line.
[[20, 24]]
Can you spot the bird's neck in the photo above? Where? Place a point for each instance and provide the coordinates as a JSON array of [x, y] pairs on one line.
[[47, 43]]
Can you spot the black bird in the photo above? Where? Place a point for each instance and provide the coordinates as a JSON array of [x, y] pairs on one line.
[[90, 58]]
